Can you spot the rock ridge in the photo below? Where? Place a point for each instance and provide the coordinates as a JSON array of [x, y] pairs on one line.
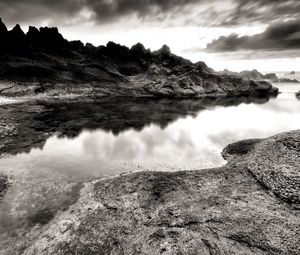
[[42, 61]]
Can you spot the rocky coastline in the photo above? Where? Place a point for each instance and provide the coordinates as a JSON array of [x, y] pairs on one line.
[[258, 76], [41, 61], [249, 206]]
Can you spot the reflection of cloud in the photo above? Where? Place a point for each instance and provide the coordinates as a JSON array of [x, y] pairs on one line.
[[190, 143], [151, 143]]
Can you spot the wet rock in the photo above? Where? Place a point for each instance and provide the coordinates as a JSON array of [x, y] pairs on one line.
[[226, 210]]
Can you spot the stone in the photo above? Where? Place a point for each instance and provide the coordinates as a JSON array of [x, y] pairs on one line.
[[249, 206]]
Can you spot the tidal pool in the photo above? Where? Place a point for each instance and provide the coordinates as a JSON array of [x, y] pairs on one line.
[[53, 147]]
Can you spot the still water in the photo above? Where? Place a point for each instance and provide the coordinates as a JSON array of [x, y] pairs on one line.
[[97, 140]]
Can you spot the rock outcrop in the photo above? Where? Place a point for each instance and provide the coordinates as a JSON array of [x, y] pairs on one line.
[[257, 76], [42, 61], [249, 206]]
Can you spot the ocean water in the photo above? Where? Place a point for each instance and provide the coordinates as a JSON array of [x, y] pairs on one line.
[[96, 140]]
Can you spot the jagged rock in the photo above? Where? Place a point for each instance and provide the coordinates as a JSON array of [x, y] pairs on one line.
[[90, 46], [47, 58], [17, 42], [249, 206], [3, 29]]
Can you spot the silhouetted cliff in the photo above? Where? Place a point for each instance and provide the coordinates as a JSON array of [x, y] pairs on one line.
[[42, 61]]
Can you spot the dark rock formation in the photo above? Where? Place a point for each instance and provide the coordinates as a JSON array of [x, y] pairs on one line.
[[257, 76], [42, 61], [3, 29], [298, 94], [249, 206]]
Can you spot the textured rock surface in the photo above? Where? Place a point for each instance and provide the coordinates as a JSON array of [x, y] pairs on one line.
[[250, 206], [42, 61]]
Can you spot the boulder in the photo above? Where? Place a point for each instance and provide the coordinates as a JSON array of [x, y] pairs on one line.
[[249, 206]]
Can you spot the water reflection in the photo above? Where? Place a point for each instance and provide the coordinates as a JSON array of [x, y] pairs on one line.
[[60, 145]]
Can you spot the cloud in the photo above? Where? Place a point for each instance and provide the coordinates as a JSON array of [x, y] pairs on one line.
[[192, 12], [100, 10], [277, 37], [263, 11]]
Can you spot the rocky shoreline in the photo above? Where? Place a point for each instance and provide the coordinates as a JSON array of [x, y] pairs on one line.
[[30, 124], [43, 62], [258, 76], [249, 206]]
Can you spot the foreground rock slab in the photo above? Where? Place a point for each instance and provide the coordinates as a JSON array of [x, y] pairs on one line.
[[249, 206]]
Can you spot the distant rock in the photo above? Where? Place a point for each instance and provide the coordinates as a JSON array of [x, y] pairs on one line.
[[292, 73], [298, 94], [44, 58], [257, 76], [288, 80]]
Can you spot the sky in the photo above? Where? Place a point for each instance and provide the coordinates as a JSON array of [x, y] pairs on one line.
[[232, 34]]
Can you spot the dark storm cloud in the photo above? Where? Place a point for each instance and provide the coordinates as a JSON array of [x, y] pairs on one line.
[[201, 12], [110, 8], [278, 37], [102, 10], [15, 11], [264, 11]]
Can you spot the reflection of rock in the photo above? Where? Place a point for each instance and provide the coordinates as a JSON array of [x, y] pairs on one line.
[[42, 61], [227, 210], [4, 183], [30, 124]]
